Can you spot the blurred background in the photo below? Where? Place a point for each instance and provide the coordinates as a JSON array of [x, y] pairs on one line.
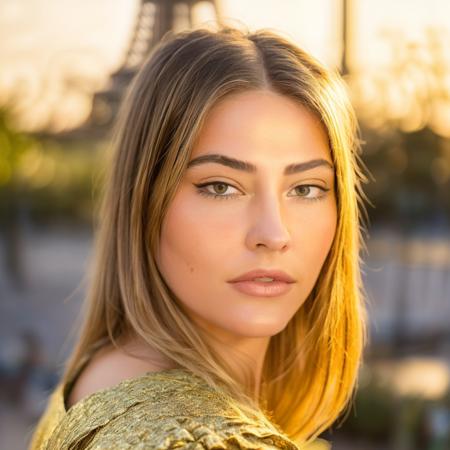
[[64, 66]]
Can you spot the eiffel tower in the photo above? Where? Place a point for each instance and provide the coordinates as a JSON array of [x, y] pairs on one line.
[[154, 19]]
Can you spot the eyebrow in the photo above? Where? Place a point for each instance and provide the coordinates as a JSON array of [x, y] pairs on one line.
[[251, 168]]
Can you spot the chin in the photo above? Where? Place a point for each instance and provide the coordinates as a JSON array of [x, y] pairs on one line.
[[261, 330]]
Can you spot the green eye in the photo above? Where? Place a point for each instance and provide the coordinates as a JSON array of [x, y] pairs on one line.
[[201, 189], [308, 188], [302, 189]]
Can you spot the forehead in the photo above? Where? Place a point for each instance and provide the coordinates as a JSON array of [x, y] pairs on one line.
[[262, 124]]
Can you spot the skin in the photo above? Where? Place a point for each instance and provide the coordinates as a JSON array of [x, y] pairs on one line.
[[266, 221]]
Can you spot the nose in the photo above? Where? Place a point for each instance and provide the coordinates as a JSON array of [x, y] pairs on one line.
[[267, 227]]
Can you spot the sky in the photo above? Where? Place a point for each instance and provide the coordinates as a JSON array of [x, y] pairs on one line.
[[47, 46]]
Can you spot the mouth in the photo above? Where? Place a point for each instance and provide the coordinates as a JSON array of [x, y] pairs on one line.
[[265, 276], [258, 288]]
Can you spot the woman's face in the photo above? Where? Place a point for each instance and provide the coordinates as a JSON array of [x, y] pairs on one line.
[[225, 221]]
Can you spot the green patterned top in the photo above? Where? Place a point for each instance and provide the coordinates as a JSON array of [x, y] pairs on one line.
[[159, 410]]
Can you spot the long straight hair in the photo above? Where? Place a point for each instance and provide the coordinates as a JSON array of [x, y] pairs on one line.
[[311, 368]]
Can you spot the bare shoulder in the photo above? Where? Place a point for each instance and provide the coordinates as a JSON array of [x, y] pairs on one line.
[[109, 367]]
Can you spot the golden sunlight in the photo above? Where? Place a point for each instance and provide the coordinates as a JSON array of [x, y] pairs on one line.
[[55, 54], [416, 376]]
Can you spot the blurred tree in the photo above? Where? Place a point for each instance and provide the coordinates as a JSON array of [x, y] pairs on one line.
[[14, 145], [404, 111]]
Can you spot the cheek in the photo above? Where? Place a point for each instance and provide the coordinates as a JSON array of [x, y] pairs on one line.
[[193, 243], [314, 238], [322, 229]]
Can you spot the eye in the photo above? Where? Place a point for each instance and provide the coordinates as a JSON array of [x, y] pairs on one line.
[[219, 188], [305, 189]]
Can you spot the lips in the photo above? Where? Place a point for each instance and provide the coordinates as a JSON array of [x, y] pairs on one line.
[[277, 275], [262, 288]]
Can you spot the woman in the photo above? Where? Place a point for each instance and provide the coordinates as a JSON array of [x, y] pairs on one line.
[[212, 323]]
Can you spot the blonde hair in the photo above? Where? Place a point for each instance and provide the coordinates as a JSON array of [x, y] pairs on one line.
[[311, 368]]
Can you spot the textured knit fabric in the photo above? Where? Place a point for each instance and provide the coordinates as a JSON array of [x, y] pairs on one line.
[[159, 410]]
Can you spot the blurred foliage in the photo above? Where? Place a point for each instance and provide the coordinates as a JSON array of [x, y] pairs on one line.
[[13, 146], [407, 167], [381, 415], [373, 411], [404, 112], [50, 179]]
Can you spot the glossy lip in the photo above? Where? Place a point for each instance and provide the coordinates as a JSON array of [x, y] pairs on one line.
[[277, 275], [261, 288]]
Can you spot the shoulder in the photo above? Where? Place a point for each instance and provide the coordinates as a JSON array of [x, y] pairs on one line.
[[166, 410], [108, 368], [187, 432]]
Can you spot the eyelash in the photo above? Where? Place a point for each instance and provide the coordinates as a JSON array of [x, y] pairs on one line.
[[227, 197]]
